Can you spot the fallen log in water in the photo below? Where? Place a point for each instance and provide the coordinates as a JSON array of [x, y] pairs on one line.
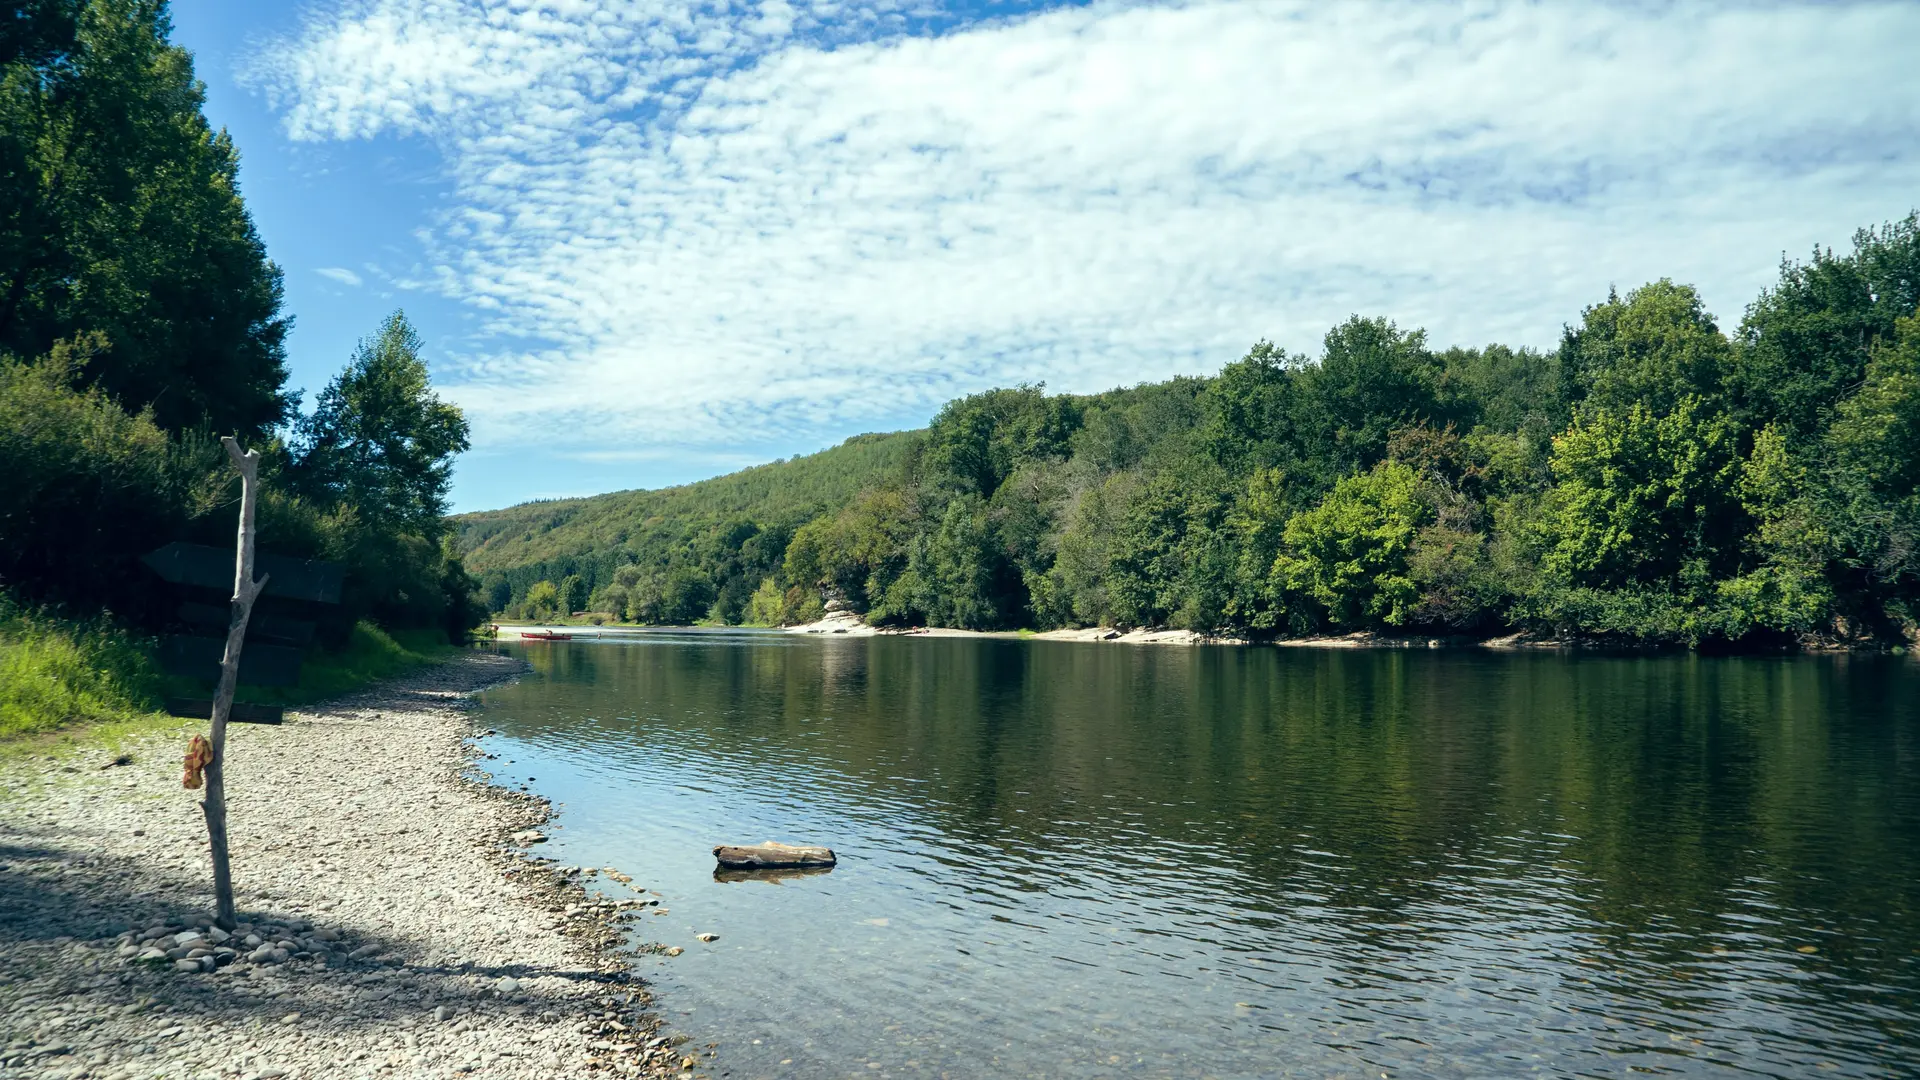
[[771, 856], [771, 877]]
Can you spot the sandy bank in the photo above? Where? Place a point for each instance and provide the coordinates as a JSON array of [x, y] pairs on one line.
[[850, 624], [846, 622], [399, 934]]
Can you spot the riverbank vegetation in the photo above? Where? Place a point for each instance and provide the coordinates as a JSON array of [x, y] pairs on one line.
[[140, 318], [1654, 479], [59, 671]]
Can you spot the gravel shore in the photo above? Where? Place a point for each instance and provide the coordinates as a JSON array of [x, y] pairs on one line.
[[393, 926]]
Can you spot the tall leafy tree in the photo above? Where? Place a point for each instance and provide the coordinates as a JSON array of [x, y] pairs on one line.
[[976, 442], [1785, 584], [1874, 448], [960, 571], [1652, 348], [1349, 554], [1251, 409], [88, 487], [1503, 389], [380, 440], [573, 593], [1645, 499], [1806, 342], [120, 214], [1372, 379]]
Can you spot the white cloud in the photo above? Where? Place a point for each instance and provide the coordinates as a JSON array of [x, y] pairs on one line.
[[712, 223], [340, 274]]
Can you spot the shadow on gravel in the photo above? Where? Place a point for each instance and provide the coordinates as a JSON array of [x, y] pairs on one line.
[[12, 853], [48, 892], [61, 912]]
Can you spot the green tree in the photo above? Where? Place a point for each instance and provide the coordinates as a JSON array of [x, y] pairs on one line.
[[1784, 584], [685, 597], [1642, 498], [1078, 582], [767, 606], [1144, 564], [1805, 343], [609, 598], [617, 596], [1454, 562], [1139, 426], [1251, 409], [1499, 389], [542, 601], [1652, 349], [120, 214], [1025, 516], [958, 571], [1874, 447], [462, 605], [499, 593], [1168, 560], [976, 442], [573, 593], [1372, 379], [1350, 553], [1460, 585], [379, 439], [1259, 518], [89, 488], [857, 553]]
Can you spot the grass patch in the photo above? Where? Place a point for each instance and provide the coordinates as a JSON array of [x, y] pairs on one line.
[[57, 673], [89, 681]]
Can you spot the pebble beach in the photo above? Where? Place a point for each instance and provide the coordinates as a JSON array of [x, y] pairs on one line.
[[396, 918]]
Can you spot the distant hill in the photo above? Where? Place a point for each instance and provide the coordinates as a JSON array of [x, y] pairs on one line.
[[743, 518]]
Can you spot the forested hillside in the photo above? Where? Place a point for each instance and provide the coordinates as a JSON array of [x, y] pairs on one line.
[[689, 550], [1655, 478]]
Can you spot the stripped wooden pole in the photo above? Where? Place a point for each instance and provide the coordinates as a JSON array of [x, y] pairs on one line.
[[245, 590]]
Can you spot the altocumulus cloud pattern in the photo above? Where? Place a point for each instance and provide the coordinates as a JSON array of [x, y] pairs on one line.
[[689, 221]]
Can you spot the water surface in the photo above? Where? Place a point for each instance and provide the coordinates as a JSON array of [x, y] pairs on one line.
[[1070, 860]]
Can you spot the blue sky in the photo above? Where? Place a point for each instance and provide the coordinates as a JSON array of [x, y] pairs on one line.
[[649, 241]]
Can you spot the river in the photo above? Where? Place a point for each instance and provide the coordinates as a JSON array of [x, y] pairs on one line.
[[1071, 860]]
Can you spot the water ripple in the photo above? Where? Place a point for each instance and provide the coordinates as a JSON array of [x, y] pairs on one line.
[[1102, 862]]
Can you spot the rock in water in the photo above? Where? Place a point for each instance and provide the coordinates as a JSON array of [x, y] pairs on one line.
[[770, 855]]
